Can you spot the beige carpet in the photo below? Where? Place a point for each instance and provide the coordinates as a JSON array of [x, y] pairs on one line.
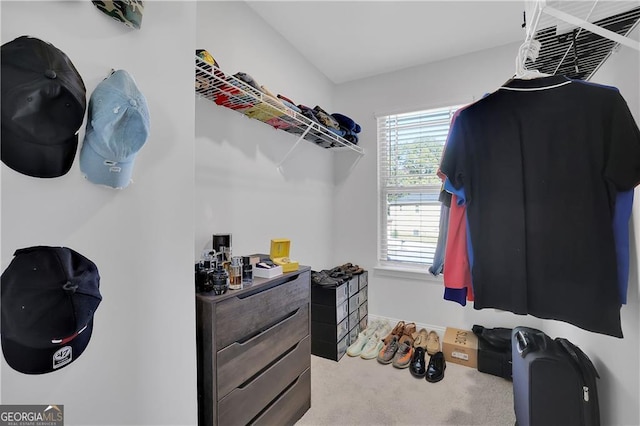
[[355, 391]]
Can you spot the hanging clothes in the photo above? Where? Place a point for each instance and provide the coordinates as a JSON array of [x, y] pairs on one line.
[[541, 162], [622, 214], [437, 266], [459, 251]]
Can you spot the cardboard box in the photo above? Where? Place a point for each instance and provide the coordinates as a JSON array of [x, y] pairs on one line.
[[279, 254], [460, 347]]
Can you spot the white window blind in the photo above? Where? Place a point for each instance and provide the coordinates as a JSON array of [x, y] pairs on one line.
[[410, 147]]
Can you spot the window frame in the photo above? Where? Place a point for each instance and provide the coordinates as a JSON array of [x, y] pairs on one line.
[[386, 187]]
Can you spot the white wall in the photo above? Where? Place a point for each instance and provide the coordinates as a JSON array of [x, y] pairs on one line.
[[239, 187], [416, 297], [140, 365]]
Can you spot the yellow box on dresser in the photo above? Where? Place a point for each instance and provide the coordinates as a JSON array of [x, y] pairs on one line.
[[279, 254]]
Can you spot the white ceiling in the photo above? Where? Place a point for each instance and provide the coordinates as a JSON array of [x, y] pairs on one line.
[[349, 40]]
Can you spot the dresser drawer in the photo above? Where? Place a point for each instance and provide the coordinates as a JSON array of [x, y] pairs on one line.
[[239, 317], [245, 402], [241, 360], [291, 405]]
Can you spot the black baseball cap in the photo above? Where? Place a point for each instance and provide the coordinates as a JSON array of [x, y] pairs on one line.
[[43, 106], [49, 297]]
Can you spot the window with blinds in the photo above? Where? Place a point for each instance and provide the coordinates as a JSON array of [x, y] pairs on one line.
[[410, 147]]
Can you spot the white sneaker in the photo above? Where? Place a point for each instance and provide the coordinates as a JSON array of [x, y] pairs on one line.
[[371, 328], [384, 328], [371, 349], [356, 347]]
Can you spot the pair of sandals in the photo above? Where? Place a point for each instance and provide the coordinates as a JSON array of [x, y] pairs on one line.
[[323, 279], [403, 331], [346, 271], [335, 277], [350, 268]]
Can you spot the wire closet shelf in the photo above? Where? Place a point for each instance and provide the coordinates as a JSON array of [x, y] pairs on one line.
[[577, 37], [228, 91]]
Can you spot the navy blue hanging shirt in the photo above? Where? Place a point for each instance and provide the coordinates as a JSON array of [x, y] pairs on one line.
[[541, 162]]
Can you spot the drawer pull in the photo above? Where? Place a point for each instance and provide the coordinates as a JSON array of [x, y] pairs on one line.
[[267, 327], [258, 290], [250, 379]]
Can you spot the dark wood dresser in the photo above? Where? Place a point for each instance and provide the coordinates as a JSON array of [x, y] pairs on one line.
[[254, 352]]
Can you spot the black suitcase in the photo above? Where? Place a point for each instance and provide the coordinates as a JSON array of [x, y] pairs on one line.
[[554, 382]]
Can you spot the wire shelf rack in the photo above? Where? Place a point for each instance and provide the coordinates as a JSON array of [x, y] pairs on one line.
[[231, 92], [577, 37]]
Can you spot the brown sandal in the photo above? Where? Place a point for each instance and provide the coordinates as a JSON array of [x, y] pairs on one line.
[[397, 331], [409, 329]]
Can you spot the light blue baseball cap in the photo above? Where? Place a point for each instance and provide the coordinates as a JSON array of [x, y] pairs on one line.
[[117, 127]]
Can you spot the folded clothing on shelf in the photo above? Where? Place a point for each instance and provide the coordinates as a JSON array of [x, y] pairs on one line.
[[240, 95], [339, 132], [230, 96], [289, 104], [346, 122], [308, 112], [349, 126], [268, 114], [243, 76], [285, 99], [325, 118], [271, 98]]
